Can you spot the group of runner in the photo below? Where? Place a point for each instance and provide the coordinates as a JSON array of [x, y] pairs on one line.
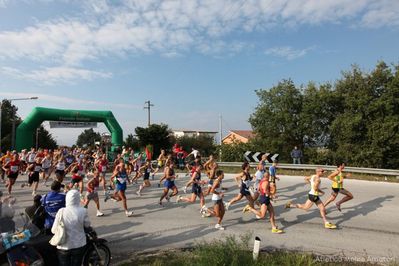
[[91, 168]]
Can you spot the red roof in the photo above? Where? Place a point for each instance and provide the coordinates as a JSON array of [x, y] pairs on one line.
[[244, 133]]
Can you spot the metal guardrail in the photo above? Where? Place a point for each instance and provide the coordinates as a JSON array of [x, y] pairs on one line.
[[387, 172]]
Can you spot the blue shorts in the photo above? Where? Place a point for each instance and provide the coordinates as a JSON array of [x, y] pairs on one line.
[[120, 187], [264, 200], [169, 184]]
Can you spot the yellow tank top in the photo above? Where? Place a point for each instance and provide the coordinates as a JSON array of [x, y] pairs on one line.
[[338, 178]]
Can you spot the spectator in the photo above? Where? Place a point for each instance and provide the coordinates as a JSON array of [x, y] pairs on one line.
[[36, 212], [296, 155], [52, 202], [75, 220]]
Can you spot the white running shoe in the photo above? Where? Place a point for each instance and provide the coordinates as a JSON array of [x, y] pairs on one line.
[[138, 193], [258, 217], [185, 190], [227, 206], [129, 214], [33, 193], [178, 199], [99, 214], [219, 227]]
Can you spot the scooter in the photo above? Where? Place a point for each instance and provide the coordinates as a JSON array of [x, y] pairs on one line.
[[14, 250], [96, 253]]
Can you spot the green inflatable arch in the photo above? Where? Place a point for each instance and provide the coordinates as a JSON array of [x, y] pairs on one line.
[[26, 129]]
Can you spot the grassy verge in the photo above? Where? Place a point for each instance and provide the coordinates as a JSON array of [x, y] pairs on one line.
[[233, 251]]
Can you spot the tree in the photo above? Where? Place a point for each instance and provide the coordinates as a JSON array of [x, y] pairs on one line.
[[204, 144], [45, 139], [276, 120], [156, 135], [8, 114], [131, 142], [87, 138]]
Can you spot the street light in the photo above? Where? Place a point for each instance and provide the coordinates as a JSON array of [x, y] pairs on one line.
[[13, 121]]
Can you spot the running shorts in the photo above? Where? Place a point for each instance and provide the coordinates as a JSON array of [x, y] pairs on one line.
[[169, 184], [13, 175], [120, 187], [34, 177], [196, 189], [263, 199], [313, 198], [92, 195], [245, 191], [336, 190]]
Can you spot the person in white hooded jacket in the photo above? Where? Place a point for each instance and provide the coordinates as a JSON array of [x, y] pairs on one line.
[[75, 219]]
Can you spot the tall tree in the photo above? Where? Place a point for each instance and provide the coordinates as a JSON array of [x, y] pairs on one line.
[[131, 142], [276, 120], [156, 135], [45, 139], [87, 138], [8, 114]]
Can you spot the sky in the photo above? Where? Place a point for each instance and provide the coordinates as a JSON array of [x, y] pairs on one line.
[[193, 59]]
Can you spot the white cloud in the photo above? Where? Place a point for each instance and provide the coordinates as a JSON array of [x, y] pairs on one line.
[[287, 52], [118, 28], [53, 75], [67, 100]]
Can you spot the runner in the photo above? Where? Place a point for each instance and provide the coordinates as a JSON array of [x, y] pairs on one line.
[[260, 172], [46, 164], [272, 180], [4, 160], [160, 163], [145, 171], [196, 190], [313, 197], [243, 180], [121, 178], [102, 166], [169, 175], [92, 194], [34, 175], [59, 166], [265, 204], [210, 167], [12, 168], [338, 187], [77, 180], [22, 159], [217, 199]]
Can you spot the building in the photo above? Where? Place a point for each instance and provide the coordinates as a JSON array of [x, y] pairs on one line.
[[193, 133], [235, 136]]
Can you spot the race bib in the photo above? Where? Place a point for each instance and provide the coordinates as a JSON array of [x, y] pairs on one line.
[[103, 168], [14, 168]]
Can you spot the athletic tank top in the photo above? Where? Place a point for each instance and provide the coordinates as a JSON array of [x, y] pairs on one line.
[[197, 179], [14, 166], [46, 163], [121, 178], [246, 182], [60, 166], [312, 190], [218, 190], [338, 178], [263, 192], [37, 167], [171, 174]]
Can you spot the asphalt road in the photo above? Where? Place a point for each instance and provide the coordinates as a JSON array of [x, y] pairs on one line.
[[368, 226]]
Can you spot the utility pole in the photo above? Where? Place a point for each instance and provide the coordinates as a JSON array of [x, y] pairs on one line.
[[149, 105], [220, 136]]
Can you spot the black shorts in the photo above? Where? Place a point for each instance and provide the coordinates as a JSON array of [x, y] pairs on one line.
[[13, 175], [146, 176], [196, 189], [76, 181], [245, 191], [217, 202], [264, 200], [60, 172], [313, 198], [336, 190], [34, 177]]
